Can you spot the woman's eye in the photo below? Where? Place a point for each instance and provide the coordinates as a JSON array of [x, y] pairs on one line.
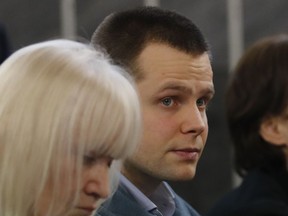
[[110, 161], [88, 159], [91, 160], [168, 101]]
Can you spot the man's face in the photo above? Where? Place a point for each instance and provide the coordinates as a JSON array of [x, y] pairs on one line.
[[174, 94]]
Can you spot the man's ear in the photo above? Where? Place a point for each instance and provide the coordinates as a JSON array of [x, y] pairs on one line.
[[272, 131]]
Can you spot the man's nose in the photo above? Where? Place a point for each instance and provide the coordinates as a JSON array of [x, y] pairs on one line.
[[194, 120]]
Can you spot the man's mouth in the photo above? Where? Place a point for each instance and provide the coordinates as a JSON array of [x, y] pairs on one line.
[[187, 153], [87, 210]]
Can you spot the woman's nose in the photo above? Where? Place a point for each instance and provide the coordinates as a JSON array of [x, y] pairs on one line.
[[97, 181]]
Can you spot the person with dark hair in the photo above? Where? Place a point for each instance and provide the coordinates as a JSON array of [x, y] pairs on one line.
[[170, 60], [257, 112]]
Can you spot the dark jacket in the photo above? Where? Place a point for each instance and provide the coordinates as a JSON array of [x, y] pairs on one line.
[[123, 204], [260, 194]]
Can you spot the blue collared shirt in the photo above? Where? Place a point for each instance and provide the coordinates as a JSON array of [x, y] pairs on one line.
[[162, 198]]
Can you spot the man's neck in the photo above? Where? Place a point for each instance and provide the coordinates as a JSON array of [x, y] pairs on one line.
[[144, 182]]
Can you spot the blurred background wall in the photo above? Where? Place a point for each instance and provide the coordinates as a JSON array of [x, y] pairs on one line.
[[32, 21]]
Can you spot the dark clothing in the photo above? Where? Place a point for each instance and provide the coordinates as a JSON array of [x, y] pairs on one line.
[[260, 194], [123, 204]]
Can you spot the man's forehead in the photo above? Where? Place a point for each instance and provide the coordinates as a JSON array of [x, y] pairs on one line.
[[158, 61]]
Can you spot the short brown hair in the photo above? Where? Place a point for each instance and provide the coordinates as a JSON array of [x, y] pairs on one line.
[[124, 34]]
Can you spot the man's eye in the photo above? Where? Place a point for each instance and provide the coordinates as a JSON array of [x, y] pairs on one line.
[[201, 102], [168, 101]]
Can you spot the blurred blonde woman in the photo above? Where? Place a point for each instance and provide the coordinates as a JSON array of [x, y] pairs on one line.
[[65, 113]]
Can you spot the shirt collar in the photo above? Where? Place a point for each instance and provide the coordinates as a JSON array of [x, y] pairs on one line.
[[162, 198]]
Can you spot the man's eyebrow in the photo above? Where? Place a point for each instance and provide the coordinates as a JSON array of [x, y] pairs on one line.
[[176, 86], [209, 91]]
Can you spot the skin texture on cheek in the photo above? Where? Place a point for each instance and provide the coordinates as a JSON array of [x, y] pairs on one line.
[[59, 197]]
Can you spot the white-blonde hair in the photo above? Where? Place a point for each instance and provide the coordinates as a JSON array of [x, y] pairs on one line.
[[59, 98]]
